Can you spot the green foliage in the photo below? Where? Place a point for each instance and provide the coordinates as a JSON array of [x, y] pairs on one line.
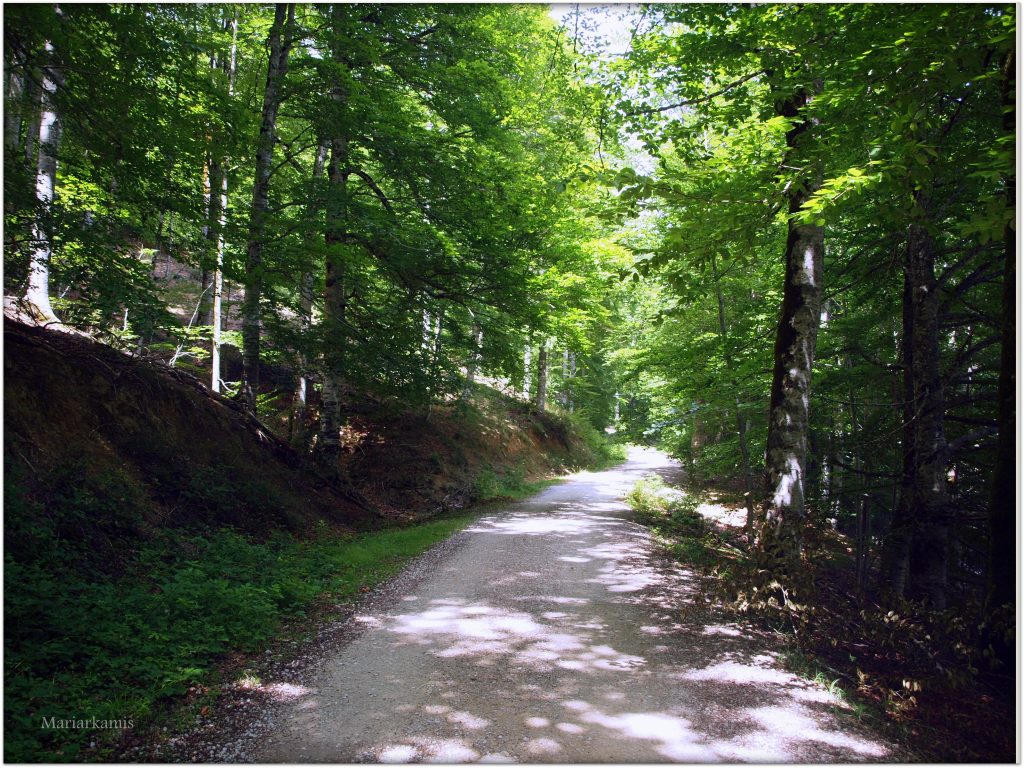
[[675, 521], [604, 451], [497, 485], [81, 643]]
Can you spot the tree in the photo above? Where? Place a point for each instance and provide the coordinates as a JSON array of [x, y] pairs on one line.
[[280, 43], [37, 295]]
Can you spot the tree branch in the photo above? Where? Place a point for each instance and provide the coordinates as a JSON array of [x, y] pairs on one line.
[[701, 100], [953, 446], [372, 185]]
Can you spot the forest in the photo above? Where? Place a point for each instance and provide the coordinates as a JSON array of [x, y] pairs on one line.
[[776, 241]]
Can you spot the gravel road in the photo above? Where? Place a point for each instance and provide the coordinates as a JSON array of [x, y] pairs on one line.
[[549, 631]]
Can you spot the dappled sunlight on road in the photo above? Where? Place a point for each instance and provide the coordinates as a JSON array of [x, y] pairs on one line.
[[481, 633], [556, 634]]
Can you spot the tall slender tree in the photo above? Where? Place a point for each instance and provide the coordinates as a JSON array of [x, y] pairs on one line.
[[280, 42]]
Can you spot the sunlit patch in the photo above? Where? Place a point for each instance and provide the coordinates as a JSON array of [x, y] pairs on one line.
[[791, 723], [537, 654], [530, 525], [555, 615], [543, 747], [570, 728], [467, 720], [276, 691], [436, 709], [620, 663], [568, 559], [285, 691], [816, 695], [576, 706], [537, 722], [673, 737], [721, 629], [496, 757], [734, 518], [399, 753], [733, 672], [427, 750]]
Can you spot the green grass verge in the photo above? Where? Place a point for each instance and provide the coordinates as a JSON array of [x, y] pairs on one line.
[[80, 646]]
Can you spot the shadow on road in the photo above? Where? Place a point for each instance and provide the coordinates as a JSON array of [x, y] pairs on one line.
[[557, 634]]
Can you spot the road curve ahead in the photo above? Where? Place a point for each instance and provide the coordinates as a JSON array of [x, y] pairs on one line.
[[552, 631]]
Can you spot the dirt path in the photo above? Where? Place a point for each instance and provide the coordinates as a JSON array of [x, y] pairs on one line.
[[551, 632]]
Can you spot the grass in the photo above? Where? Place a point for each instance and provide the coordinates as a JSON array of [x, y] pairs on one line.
[[78, 646]]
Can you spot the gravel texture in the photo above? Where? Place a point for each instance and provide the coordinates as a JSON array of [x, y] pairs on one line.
[[549, 631]]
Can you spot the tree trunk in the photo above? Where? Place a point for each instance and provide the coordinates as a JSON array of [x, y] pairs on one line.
[[1002, 579], [299, 437], [13, 95], [33, 104], [698, 438], [563, 396], [741, 422], [474, 360], [219, 172], [206, 276], [335, 292], [919, 537], [901, 532], [335, 304], [277, 68], [542, 376], [795, 341], [572, 378], [930, 496], [37, 295], [435, 360], [527, 351]]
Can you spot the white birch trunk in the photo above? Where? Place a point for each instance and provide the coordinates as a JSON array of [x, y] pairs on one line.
[[218, 275], [37, 295]]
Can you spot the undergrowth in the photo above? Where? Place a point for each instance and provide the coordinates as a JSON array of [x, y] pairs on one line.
[[82, 644], [932, 679], [673, 517], [604, 451], [496, 484]]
